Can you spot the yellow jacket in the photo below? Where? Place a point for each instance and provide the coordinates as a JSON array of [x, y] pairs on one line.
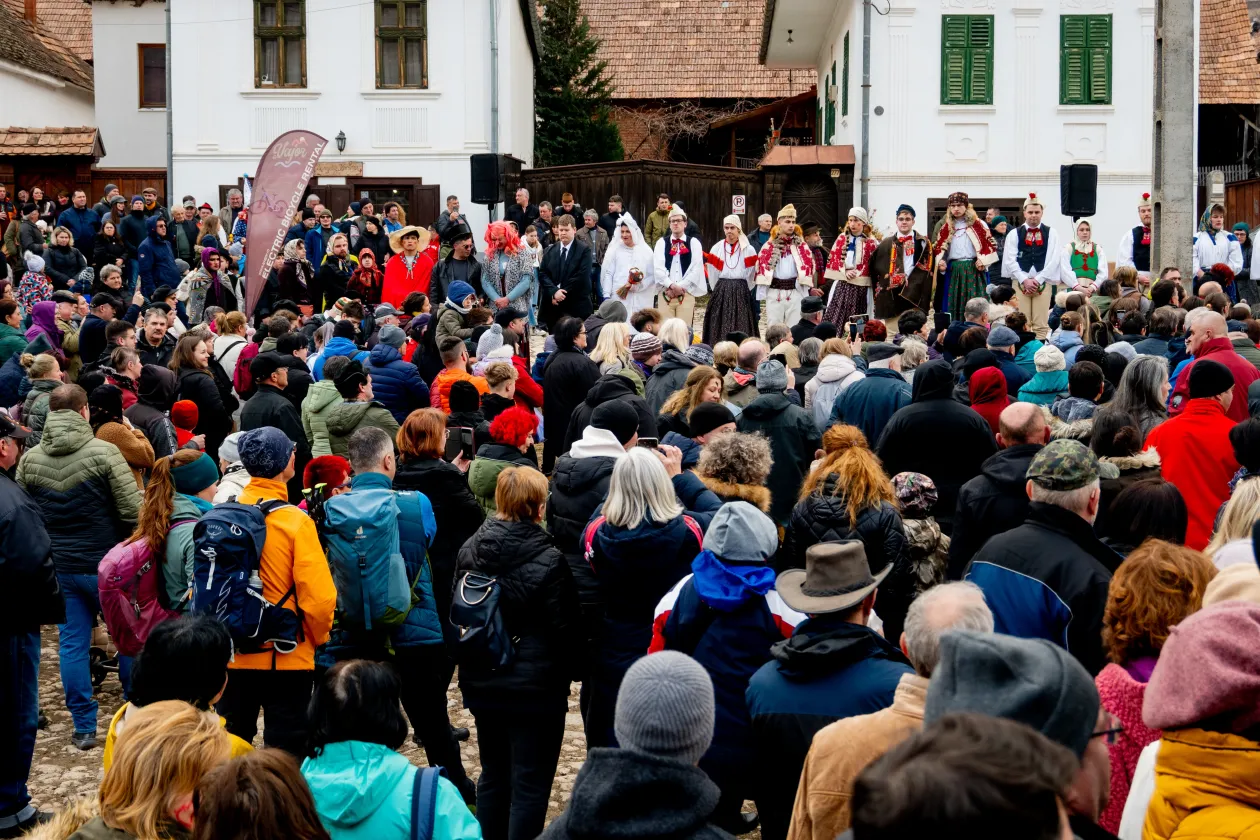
[[291, 553], [239, 745], [1207, 785]]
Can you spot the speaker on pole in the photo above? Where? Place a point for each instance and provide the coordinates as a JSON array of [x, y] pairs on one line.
[[495, 178], [1078, 189]]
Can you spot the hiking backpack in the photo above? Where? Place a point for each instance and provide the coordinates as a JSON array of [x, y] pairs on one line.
[[424, 796], [361, 533], [133, 595], [227, 544]]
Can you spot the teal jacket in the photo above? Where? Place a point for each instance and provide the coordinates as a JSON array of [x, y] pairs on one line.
[[363, 792], [12, 342], [177, 565], [1024, 358], [1045, 387]]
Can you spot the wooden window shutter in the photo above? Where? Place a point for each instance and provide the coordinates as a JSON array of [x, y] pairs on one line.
[[1099, 27], [953, 59], [980, 60], [844, 80]]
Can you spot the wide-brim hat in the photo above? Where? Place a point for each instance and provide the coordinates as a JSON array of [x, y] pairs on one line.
[[836, 577], [395, 238]]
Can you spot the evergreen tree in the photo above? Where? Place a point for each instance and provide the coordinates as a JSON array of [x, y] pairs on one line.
[[572, 97]]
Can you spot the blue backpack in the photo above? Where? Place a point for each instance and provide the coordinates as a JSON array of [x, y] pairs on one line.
[[424, 795], [361, 531], [227, 548], [483, 641]]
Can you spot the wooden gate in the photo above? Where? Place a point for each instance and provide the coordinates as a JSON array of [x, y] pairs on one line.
[[705, 192], [1242, 203]]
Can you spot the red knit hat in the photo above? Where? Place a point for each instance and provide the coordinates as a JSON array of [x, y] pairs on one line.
[[184, 414]]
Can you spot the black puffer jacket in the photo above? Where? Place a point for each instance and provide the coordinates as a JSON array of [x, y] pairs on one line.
[[823, 517], [62, 264], [612, 386], [667, 377], [578, 487], [567, 378], [992, 502], [214, 414], [149, 413], [539, 605], [456, 511]]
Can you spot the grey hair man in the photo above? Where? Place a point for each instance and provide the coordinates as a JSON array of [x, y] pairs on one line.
[[235, 204], [841, 750], [976, 311]]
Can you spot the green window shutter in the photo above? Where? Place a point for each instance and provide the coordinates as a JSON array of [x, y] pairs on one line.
[[1100, 59], [844, 80], [1085, 59], [980, 60], [831, 106], [953, 59]]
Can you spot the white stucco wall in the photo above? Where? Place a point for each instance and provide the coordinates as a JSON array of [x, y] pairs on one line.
[[133, 136], [921, 150], [425, 134], [35, 101]]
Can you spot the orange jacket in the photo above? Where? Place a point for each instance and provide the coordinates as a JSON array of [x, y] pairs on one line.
[[440, 392], [291, 555]]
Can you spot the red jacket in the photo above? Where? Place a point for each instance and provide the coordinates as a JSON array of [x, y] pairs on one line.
[[529, 393], [1195, 455], [399, 283], [1218, 350]]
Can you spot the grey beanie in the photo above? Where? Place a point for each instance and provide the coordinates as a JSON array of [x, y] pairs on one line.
[[665, 707], [740, 533], [771, 377], [491, 340], [613, 311], [228, 451], [393, 336], [701, 354], [182, 266], [1031, 681]]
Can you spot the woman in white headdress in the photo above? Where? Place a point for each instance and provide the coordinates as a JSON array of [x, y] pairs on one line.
[[627, 270], [734, 262]]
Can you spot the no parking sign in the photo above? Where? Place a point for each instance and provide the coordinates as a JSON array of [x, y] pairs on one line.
[[737, 204]]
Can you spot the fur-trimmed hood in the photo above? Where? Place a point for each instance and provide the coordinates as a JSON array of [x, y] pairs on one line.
[[67, 820], [754, 494], [1145, 460]]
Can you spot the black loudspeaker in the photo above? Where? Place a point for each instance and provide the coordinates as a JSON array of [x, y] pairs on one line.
[[495, 178], [1078, 189]]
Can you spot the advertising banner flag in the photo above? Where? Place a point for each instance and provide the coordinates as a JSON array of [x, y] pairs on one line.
[[279, 184]]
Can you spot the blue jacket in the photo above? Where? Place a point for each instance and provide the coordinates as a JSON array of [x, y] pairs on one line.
[[829, 669], [1016, 376], [690, 449], [157, 262], [337, 346], [1045, 387], [871, 402], [83, 226], [314, 241], [396, 383], [1069, 342], [726, 617], [363, 791]]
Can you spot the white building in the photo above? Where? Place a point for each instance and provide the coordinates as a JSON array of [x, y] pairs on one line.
[[985, 96], [130, 62], [406, 81]]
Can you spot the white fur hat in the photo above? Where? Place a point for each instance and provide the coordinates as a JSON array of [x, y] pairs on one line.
[[859, 213]]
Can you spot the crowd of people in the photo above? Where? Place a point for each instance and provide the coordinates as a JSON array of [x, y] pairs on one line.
[[961, 540]]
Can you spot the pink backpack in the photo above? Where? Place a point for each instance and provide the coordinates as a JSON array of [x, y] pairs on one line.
[[130, 582]]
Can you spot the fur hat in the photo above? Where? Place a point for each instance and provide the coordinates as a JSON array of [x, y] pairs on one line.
[[788, 212], [1033, 200], [1146, 201], [859, 213]]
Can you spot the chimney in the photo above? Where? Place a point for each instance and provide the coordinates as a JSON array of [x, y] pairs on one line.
[[28, 11]]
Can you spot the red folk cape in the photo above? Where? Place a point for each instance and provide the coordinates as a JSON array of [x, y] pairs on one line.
[[797, 248], [981, 239], [399, 282], [839, 249]]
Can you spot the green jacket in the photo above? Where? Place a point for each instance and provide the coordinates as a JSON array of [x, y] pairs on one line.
[[1243, 347], [320, 401], [12, 342], [656, 226], [35, 409], [348, 417], [483, 477], [451, 322], [177, 566], [84, 489]]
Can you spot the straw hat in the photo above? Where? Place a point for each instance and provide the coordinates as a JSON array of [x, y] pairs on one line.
[[395, 238]]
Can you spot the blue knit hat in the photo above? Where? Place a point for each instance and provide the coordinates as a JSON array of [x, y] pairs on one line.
[[265, 452], [458, 291]]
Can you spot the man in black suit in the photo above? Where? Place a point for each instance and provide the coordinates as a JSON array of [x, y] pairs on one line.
[[565, 276], [522, 212]]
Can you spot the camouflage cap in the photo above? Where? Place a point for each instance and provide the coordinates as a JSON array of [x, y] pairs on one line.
[[1063, 465]]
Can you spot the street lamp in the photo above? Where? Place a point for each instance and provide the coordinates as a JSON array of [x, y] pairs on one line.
[[341, 141]]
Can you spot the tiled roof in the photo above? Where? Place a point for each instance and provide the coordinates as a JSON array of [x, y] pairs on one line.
[[72, 140], [782, 155], [1228, 72], [677, 49], [22, 44], [68, 21]]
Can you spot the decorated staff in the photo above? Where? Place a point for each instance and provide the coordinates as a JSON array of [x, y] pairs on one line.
[[901, 271], [965, 248]]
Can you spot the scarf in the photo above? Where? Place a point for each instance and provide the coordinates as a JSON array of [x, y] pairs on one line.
[[461, 310]]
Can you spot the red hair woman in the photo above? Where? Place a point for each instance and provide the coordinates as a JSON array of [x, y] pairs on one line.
[[507, 269]]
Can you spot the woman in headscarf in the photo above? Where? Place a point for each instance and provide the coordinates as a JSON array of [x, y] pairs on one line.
[[626, 274], [367, 281], [208, 286], [730, 308], [1086, 258], [507, 269], [44, 323], [297, 275], [1248, 289]]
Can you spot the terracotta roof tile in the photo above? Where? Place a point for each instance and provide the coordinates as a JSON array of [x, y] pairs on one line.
[[68, 21], [712, 55], [1228, 72], [71, 140], [23, 44]]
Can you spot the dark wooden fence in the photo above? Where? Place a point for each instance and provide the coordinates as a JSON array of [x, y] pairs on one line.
[[1242, 203], [705, 192]]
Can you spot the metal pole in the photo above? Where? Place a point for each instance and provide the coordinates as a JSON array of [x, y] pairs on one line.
[[866, 102], [170, 125], [494, 86], [1173, 165]]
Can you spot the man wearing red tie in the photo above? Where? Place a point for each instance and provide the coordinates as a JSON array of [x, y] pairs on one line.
[[901, 271], [1135, 245], [678, 261]]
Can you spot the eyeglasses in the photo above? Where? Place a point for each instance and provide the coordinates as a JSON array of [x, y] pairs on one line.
[[1111, 728]]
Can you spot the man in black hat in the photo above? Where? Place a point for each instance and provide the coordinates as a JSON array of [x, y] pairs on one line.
[[811, 317], [270, 406], [457, 265], [834, 666], [882, 392], [813, 238], [901, 271]]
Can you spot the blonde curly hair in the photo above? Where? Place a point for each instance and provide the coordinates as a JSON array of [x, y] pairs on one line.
[[736, 458]]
